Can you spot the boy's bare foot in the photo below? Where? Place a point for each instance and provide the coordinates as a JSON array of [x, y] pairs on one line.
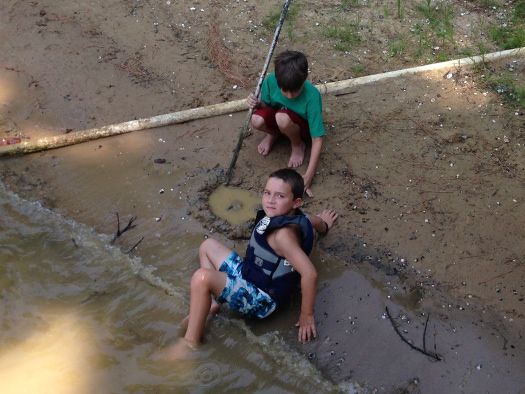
[[297, 155], [180, 350], [265, 146]]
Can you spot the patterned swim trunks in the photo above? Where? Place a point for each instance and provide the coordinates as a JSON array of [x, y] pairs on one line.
[[240, 295]]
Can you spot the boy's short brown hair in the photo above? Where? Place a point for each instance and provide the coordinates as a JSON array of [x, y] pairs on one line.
[[292, 178], [291, 70]]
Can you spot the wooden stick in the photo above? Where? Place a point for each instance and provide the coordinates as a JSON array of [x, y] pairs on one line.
[[244, 127]]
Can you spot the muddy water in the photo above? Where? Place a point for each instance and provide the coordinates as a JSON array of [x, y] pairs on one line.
[[233, 204], [80, 315]]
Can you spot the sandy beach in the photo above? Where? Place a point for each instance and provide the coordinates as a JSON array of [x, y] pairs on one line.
[[426, 171]]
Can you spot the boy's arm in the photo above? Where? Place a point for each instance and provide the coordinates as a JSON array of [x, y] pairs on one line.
[[287, 245], [315, 153]]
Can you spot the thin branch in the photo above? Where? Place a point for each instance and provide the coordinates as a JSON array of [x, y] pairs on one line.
[[129, 226], [425, 334], [134, 246], [484, 282], [435, 356]]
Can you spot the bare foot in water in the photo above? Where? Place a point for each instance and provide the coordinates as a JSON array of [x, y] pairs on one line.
[[265, 146], [180, 350], [297, 155]]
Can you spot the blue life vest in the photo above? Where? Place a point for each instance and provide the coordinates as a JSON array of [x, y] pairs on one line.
[[264, 267]]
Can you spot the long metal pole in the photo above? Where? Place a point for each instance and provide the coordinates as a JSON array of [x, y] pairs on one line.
[[244, 128]]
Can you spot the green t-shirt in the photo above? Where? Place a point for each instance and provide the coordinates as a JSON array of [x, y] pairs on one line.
[[307, 105]]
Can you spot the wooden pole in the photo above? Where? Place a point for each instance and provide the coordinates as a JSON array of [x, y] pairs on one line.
[[246, 124], [229, 107], [77, 137], [339, 86]]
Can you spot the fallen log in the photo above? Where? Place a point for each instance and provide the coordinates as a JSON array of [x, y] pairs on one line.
[[62, 140], [77, 137]]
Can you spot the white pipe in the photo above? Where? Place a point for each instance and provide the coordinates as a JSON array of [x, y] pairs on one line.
[[338, 86], [229, 107]]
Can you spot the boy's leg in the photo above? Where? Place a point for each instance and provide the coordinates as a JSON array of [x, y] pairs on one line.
[[263, 119], [204, 282], [211, 255], [294, 131]]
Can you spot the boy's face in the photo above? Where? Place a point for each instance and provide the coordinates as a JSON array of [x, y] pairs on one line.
[[292, 95], [278, 198]]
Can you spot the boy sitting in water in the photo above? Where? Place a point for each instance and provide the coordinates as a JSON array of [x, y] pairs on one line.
[[276, 262], [290, 106]]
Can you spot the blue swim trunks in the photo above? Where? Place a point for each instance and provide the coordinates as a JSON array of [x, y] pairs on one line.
[[243, 296]]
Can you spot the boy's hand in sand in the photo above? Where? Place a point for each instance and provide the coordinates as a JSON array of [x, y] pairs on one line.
[[329, 216], [253, 101], [306, 326]]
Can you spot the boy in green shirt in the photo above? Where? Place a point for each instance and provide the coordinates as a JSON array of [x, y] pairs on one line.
[[290, 106]]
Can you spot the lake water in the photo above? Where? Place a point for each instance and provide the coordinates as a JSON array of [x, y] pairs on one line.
[[79, 316]]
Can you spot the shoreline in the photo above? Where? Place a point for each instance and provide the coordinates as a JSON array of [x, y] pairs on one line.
[[356, 340]]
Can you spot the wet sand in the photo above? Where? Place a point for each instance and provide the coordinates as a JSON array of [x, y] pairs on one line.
[[481, 348]]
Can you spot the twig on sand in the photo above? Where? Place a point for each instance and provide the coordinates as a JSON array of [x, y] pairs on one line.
[[484, 282], [129, 226], [432, 355], [134, 246], [425, 334]]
